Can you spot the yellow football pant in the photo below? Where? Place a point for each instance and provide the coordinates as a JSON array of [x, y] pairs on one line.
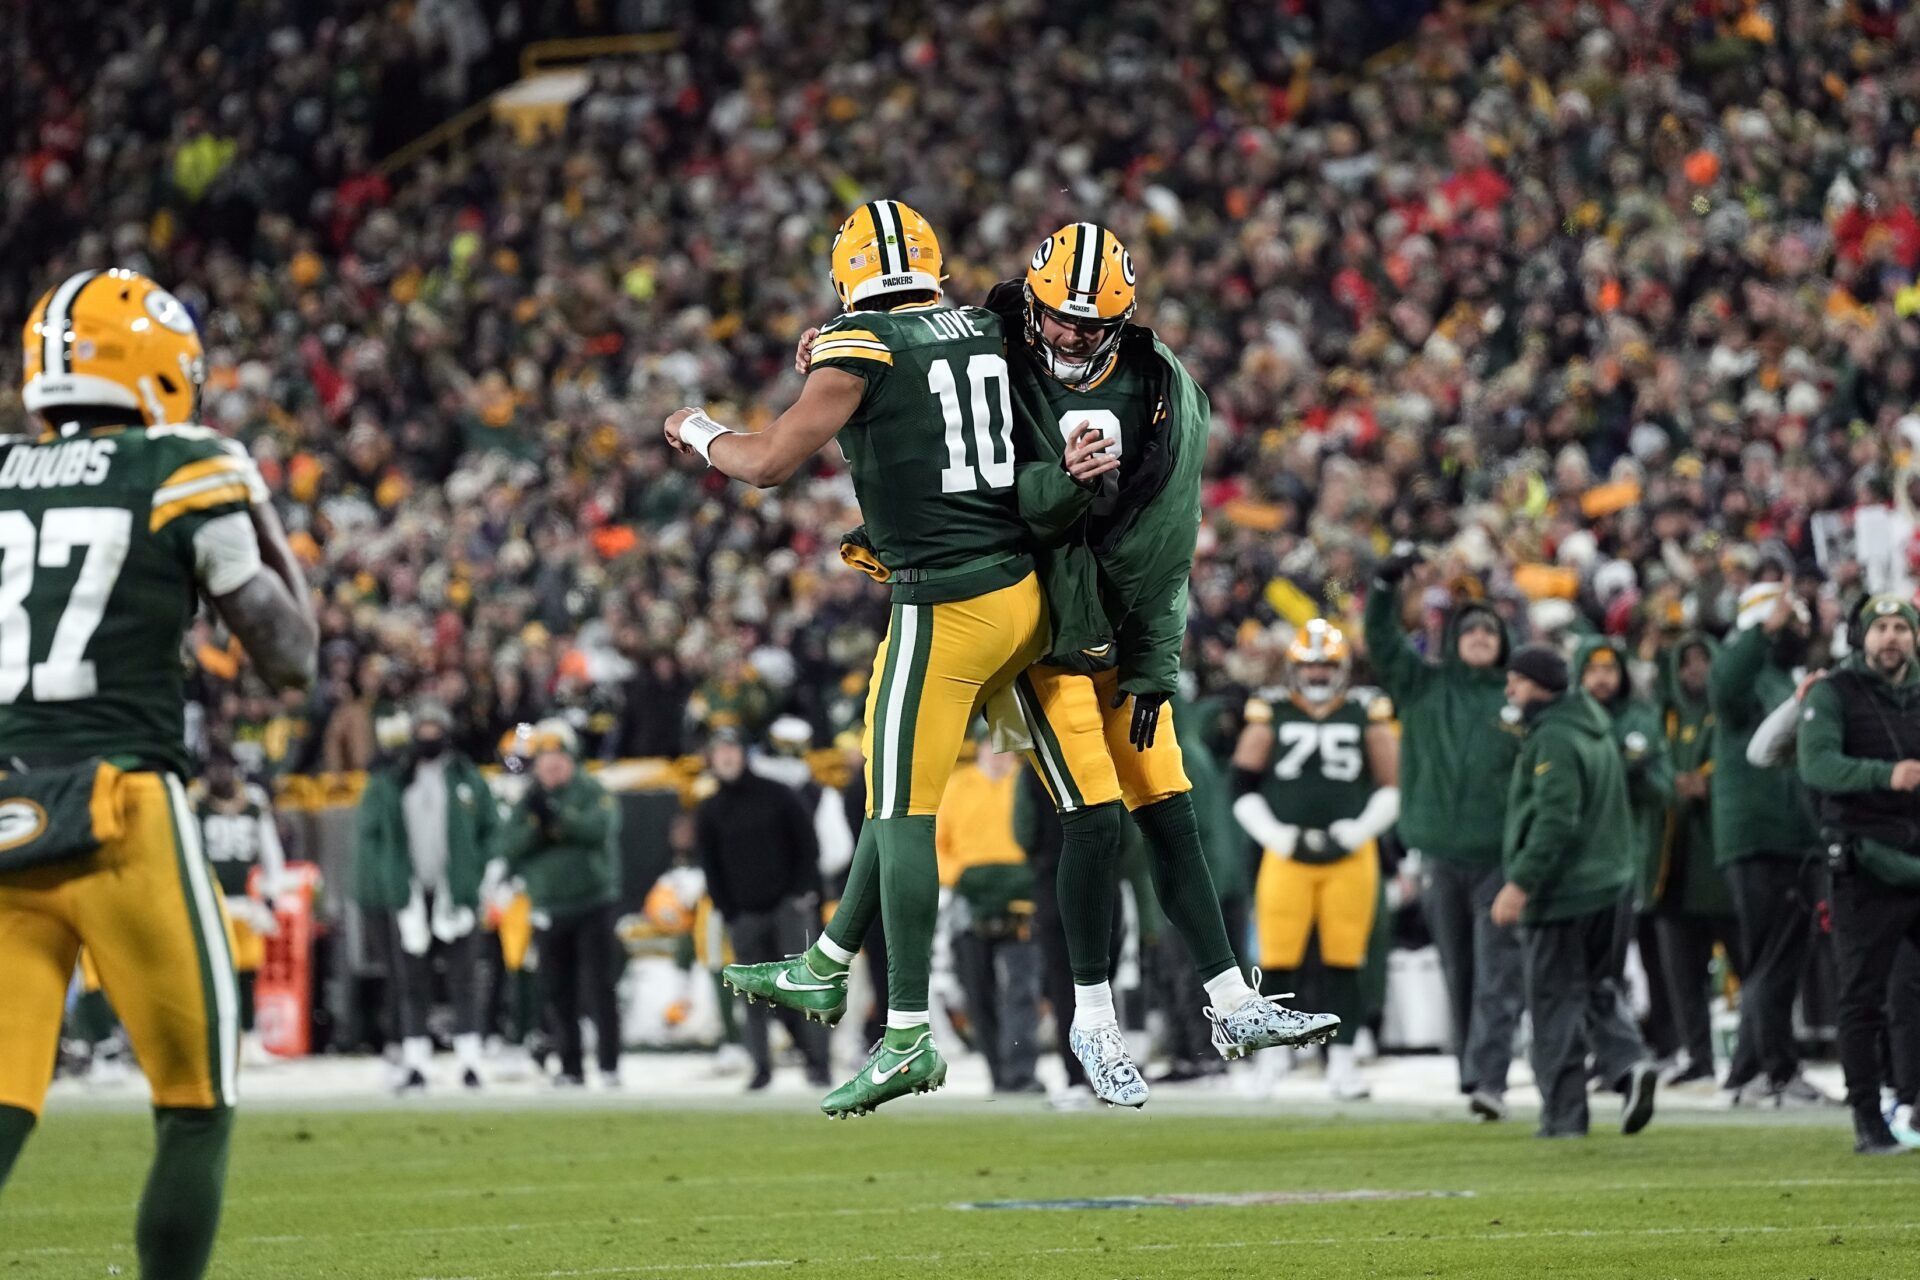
[[516, 932], [1291, 899], [931, 676], [249, 949], [1080, 746], [147, 910]]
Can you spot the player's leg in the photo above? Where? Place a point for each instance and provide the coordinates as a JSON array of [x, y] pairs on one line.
[[941, 661], [153, 922], [1062, 714], [1347, 902], [37, 952], [1155, 788], [1285, 897]]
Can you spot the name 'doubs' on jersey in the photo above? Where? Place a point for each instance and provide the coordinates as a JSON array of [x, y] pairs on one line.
[[931, 446], [1320, 773]]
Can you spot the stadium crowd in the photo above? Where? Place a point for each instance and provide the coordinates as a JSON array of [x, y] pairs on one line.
[[1611, 308]]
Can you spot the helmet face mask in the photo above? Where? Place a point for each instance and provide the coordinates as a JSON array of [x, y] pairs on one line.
[[1319, 663], [1080, 277]]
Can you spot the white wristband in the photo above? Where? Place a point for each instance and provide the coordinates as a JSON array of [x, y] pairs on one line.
[[698, 432]]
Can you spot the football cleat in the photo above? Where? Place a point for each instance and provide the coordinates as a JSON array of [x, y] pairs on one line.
[[1262, 1022], [1102, 1051], [888, 1074], [791, 984]]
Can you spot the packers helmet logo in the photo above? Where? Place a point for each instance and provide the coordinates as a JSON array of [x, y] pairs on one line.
[[168, 311], [1886, 607], [21, 822], [1042, 255], [1126, 266]]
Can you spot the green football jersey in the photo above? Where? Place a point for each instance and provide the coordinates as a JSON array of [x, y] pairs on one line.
[[98, 581], [1320, 773], [1120, 406], [931, 446], [235, 835]]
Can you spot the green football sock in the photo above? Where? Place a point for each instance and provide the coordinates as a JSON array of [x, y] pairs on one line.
[[180, 1209], [1183, 883], [93, 1019], [910, 897], [524, 1000], [15, 1124], [859, 904], [1342, 987], [1086, 883], [1275, 982], [246, 978]]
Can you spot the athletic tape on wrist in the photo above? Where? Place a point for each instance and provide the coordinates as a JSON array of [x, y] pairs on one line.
[[699, 432]]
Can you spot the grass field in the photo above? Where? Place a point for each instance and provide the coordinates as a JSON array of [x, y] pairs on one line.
[[494, 1192]]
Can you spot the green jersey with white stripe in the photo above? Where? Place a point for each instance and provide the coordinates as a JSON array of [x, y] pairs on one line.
[[235, 833], [99, 575], [931, 446], [1320, 773]]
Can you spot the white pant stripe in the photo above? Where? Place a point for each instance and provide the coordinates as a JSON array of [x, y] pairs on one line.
[[226, 996], [901, 646]]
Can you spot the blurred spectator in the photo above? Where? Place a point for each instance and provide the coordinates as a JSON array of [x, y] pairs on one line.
[[425, 822], [756, 842], [562, 840], [985, 870]]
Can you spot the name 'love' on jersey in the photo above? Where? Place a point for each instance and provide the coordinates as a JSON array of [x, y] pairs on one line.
[[100, 566], [931, 446], [1320, 773]]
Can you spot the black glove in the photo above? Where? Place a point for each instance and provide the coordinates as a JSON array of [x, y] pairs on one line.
[[540, 806], [1146, 717], [1398, 565]]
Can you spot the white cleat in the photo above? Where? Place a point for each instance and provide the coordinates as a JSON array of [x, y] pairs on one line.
[[1102, 1051], [1262, 1022], [1344, 1081]]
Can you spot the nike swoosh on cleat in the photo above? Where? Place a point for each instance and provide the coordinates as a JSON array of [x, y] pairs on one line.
[[878, 1076], [785, 983]]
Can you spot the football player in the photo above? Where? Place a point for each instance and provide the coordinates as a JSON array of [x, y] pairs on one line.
[[1094, 717], [1316, 774], [238, 830], [114, 520], [920, 396]]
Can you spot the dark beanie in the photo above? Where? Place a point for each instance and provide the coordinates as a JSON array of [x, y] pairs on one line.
[[1541, 663]]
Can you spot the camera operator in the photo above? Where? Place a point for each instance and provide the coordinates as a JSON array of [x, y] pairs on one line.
[[1859, 748]]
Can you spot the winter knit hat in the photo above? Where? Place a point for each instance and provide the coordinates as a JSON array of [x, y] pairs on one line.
[[1543, 664], [1886, 606]]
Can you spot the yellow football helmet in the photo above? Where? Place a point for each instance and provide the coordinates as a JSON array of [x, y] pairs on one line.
[[1081, 275], [113, 339], [884, 247], [1318, 645]]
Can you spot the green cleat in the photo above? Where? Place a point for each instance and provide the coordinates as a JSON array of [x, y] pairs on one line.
[[791, 984], [888, 1074]]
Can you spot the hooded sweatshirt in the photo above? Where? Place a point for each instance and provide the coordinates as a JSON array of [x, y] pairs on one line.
[[1756, 812], [1684, 879], [1457, 749], [1644, 757], [1834, 760], [1566, 808]]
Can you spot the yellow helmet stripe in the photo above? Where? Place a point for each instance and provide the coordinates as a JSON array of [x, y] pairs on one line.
[[58, 323]]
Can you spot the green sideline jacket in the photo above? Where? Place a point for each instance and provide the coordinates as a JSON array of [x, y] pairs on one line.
[[1756, 812], [1566, 808], [382, 864], [572, 862], [1644, 757]]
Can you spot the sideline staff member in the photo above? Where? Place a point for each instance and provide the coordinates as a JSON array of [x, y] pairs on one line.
[[1860, 748]]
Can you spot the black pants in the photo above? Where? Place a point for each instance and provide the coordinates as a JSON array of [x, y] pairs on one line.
[[1662, 1036], [1484, 969], [579, 970], [1686, 960], [1189, 1036], [1903, 1024], [1574, 996], [761, 936], [1775, 899], [1870, 920], [410, 981], [997, 970]]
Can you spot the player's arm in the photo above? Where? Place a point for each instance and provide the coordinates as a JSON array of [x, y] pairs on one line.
[[1250, 809], [1383, 806], [763, 459]]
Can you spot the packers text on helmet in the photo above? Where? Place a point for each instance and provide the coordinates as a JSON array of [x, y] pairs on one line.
[[884, 247], [114, 340], [1081, 276]]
